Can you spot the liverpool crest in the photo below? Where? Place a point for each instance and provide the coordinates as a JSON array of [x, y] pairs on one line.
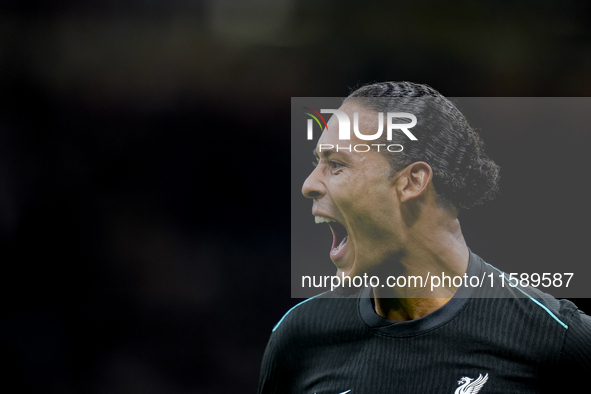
[[471, 386]]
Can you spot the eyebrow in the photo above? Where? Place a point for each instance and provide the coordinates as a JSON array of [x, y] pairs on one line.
[[325, 153]]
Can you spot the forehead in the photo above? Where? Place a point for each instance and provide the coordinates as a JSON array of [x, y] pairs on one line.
[[356, 153], [367, 120]]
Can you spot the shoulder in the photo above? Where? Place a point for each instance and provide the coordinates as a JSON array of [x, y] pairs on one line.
[[323, 313], [317, 322], [306, 309], [544, 314], [576, 350], [526, 322], [304, 330], [525, 302]]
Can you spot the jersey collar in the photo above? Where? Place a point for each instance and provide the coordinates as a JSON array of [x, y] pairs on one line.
[[427, 322]]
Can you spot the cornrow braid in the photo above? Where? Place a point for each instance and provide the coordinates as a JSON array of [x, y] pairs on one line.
[[463, 175]]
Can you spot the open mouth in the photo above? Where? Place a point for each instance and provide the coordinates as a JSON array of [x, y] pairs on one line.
[[339, 236]]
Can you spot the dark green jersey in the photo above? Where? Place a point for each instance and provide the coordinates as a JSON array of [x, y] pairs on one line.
[[489, 339]]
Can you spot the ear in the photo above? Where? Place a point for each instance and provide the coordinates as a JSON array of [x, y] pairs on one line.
[[414, 181]]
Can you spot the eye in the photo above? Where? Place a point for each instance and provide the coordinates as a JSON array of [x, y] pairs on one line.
[[335, 165]]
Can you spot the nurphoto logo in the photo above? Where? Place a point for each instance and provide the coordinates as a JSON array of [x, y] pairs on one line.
[[345, 129]]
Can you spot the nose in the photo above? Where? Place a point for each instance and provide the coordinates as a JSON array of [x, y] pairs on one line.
[[313, 187]]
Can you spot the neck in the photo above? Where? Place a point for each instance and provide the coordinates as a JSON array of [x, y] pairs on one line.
[[428, 254]]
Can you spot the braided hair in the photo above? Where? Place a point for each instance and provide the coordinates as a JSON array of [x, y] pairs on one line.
[[463, 176]]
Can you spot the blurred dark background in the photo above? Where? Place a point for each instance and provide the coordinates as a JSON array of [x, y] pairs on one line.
[[144, 165]]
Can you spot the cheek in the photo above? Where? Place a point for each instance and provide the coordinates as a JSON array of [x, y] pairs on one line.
[[376, 197], [369, 208], [361, 196]]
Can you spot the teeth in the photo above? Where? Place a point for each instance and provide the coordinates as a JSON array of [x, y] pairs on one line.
[[341, 245], [322, 219], [337, 249]]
